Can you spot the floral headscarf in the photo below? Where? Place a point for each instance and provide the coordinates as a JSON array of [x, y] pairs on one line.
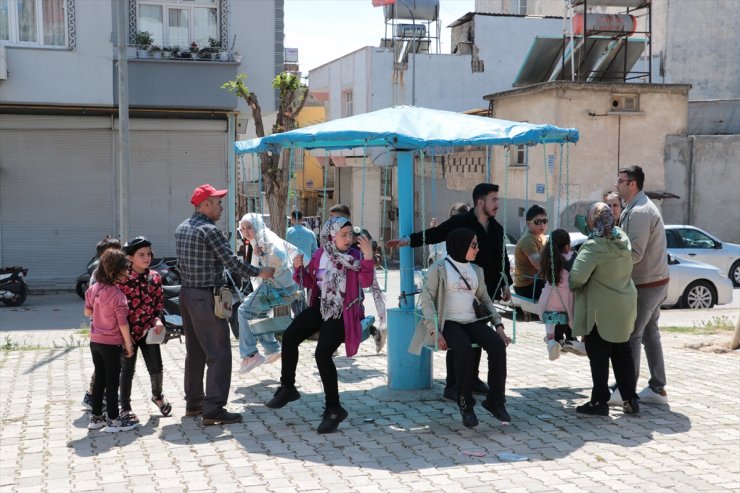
[[602, 220], [335, 277]]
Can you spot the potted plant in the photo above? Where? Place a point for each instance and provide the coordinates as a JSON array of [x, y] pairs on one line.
[[194, 50], [143, 41], [166, 52], [236, 56], [175, 51], [205, 53], [155, 52]]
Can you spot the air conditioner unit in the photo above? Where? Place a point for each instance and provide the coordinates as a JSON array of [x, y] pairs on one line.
[[3, 64]]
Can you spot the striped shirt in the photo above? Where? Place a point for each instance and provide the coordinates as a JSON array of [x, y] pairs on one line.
[[202, 253]]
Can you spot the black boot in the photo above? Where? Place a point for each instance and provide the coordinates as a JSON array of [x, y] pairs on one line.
[[469, 419]]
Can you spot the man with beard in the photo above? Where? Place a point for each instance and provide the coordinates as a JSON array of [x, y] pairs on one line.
[[491, 257]]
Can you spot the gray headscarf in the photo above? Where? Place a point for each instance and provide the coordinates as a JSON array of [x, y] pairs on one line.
[[602, 220]]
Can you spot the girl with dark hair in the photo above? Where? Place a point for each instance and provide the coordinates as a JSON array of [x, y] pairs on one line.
[[335, 276], [109, 330], [143, 289], [453, 285], [556, 296]]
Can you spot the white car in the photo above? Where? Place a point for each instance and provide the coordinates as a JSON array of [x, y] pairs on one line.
[[692, 284], [696, 244]]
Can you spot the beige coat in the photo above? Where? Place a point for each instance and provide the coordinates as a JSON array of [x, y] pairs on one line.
[[433, 296]]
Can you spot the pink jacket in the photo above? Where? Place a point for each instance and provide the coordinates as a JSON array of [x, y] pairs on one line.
[[353, 316], [559, 299], [110, 310]]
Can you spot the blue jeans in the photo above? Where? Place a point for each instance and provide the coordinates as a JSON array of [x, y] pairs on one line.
[[256, 305]]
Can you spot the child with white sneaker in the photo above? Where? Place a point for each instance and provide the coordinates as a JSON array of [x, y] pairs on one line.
[[109, 330], [556, 296]]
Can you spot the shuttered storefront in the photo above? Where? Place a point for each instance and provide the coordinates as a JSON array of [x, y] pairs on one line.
[[58, 186]]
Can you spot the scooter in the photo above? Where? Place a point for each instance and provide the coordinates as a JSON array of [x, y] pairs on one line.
[[171, 317], [166, 267], [13, 289]]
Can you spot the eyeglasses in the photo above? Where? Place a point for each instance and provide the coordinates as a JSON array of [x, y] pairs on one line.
[[539, 222], [627, 180], [474, 245]]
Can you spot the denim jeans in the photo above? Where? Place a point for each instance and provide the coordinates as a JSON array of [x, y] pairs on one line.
[[256, 305]]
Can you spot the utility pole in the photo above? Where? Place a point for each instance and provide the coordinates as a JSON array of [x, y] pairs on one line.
[[123, 145]]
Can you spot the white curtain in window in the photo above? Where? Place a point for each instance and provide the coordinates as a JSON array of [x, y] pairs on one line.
[[205, 25], [26, 20], [179, 27], [54, 25], [150, 20], [4, 20]]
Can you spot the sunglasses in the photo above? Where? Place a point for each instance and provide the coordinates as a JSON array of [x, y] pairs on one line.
[[539, 222], [474, 245]]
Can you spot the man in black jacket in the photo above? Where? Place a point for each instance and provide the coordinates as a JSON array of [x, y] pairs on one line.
[[491, 257]]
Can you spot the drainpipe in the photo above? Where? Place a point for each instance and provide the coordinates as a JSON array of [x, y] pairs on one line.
[[692, 179]]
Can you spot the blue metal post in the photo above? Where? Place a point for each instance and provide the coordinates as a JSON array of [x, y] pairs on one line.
[[406, 371]]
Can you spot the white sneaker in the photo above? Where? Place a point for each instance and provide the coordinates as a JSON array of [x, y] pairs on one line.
[[616, 398], [251, 362], [553, 349], [272, 357], [574, 346], [123, 423], [649, 395], [96, 422]]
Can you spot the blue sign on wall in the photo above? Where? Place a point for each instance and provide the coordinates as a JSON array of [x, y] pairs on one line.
[[540, 188]]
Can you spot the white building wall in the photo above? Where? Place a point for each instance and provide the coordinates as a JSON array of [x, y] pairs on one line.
[[61, 76], [253, 23]]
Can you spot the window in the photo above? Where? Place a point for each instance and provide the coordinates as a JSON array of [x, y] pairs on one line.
[[179, 22], [33, 22], [519, 156], [348, 107], [519, 7], [696, 239]]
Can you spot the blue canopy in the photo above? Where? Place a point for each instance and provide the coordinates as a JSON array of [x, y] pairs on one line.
[[410, 128]]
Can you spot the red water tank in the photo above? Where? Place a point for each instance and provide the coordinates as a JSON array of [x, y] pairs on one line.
[[604, 24]]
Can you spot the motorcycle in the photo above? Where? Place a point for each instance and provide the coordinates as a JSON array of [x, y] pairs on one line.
[[171, 317], [13, 289], [166, 267]]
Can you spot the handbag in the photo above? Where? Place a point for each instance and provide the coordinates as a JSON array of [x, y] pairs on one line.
[[223, 302], [481, 311]]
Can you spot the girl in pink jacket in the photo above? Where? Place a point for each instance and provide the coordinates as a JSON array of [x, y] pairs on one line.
[[334, 277], [556, 296]]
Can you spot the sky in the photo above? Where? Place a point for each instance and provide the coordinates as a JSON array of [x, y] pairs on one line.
[[324, 30]]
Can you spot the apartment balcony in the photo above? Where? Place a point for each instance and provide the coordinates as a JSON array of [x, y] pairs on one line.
[[178, 83]]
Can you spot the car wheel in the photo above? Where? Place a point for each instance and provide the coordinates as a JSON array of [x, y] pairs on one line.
[[735, 274], [698, 295]]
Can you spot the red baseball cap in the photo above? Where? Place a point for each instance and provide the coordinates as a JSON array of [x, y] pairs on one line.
[[205, 191]]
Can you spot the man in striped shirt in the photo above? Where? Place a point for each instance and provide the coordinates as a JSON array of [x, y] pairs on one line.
[[202, 254]]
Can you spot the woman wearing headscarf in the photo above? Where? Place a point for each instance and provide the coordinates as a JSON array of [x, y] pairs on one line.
[[453, 284], [268, 250], [605, 309], [335, 277]]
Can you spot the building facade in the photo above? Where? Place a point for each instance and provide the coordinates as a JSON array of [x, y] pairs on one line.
[[62, 189]]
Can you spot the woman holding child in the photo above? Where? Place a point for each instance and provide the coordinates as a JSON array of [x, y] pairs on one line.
[[605, 309]]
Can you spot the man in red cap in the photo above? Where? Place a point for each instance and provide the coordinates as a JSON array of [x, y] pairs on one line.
[[202, 254]]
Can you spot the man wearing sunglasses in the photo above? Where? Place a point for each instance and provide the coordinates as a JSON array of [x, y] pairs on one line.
[[491, 257], [527, 254]]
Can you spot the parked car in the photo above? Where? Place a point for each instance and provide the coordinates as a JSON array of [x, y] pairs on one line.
[[696, 244], [693, 284]]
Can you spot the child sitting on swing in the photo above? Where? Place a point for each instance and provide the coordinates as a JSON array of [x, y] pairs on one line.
[[556, 296], [334, 276]]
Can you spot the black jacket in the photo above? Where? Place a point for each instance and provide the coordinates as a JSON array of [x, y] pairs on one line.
[[492, 246]]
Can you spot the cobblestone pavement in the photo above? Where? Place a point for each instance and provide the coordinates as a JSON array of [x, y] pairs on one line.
[[392, 441]]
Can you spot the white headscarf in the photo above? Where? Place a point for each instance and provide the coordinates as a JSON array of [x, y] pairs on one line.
[[279, 253]]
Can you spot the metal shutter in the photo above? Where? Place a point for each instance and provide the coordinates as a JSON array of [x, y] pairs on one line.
[[367, 214], [56, 182], [168, 160]]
